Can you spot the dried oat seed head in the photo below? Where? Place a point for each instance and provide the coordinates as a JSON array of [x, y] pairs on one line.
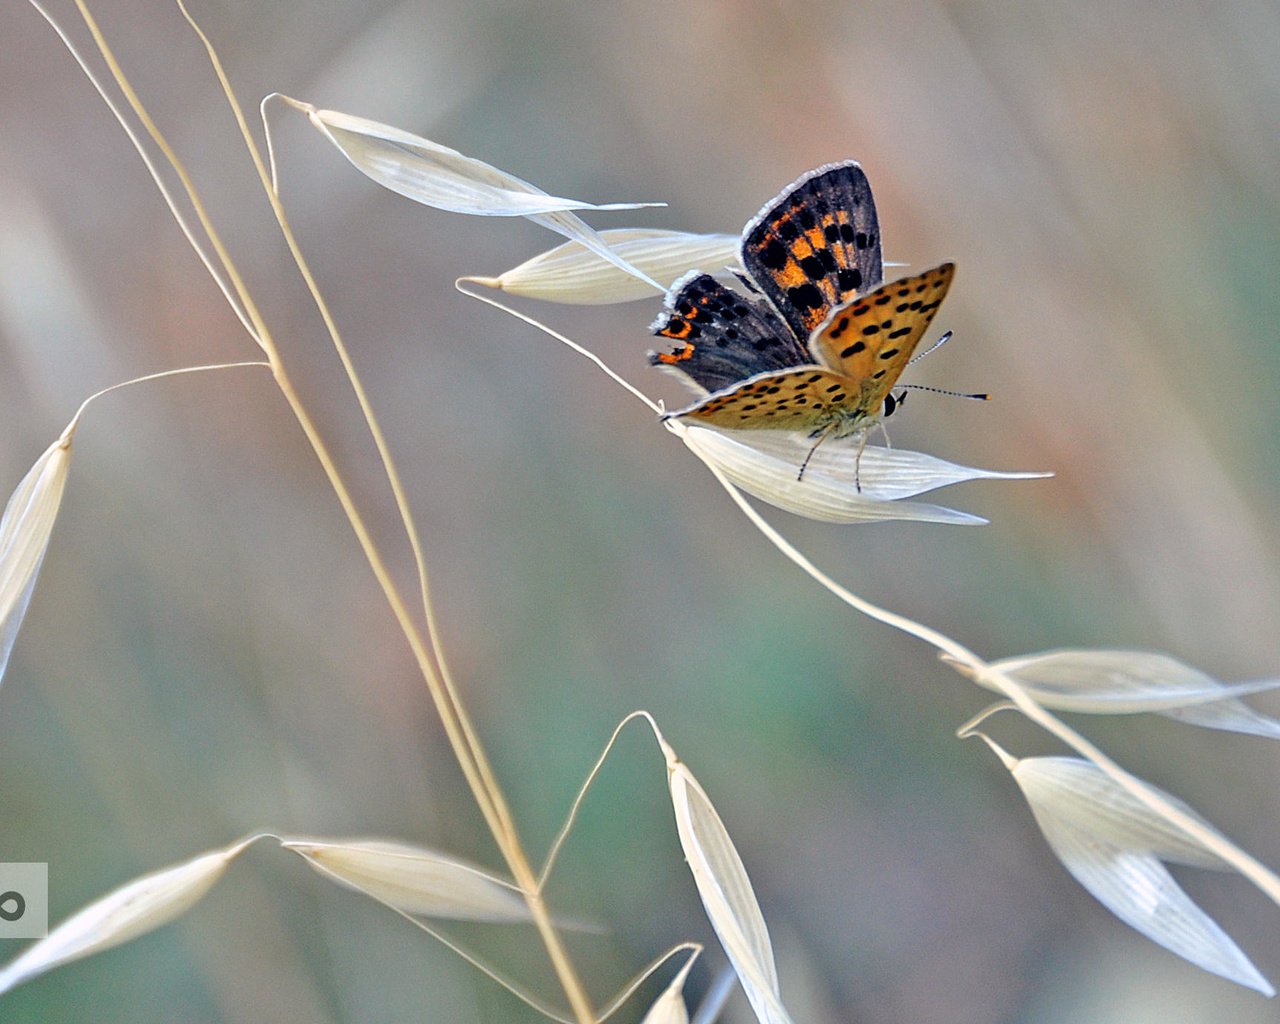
[[573, 274], [134, 909], [413, 879], [441, 177], [836, 488], [726, 893], [24, 537], [1113, 845], [1106, 682]]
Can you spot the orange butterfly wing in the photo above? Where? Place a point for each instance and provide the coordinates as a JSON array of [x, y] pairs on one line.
[[808, 399], [870, 341]]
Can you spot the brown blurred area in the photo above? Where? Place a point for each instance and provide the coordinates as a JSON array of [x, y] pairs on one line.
[[207, 653]]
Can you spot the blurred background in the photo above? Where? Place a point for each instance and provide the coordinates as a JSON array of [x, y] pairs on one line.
[[207, 653]]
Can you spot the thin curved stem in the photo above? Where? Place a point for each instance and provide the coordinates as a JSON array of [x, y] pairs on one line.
[[156, 177], [572, 816], [180, 371], [625, 993], [461, 736], [256, 329], [267, 176], [586, 353]]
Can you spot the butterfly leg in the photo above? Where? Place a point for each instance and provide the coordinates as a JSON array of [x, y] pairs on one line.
[[857, 461], [821, 437], [884, 432]]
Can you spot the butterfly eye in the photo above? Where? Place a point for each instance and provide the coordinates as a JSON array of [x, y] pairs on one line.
[[892, 404]]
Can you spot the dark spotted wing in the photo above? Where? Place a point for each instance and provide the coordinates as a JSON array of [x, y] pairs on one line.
[[816, 246], [724, 337]]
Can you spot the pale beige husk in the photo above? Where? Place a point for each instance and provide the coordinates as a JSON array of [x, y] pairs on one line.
[[573, 274]]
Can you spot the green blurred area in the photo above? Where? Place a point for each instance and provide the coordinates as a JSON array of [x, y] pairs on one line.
[[207, 654]]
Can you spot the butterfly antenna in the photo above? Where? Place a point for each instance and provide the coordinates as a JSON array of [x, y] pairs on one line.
[[932, 348], [981, 397]]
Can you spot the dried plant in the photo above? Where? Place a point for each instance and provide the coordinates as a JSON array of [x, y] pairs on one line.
[[1110, 829]]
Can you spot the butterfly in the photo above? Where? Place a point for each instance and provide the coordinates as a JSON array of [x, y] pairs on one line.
[[820, 342]]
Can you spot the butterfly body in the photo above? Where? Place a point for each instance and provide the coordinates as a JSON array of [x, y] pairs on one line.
[[821, 343]]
